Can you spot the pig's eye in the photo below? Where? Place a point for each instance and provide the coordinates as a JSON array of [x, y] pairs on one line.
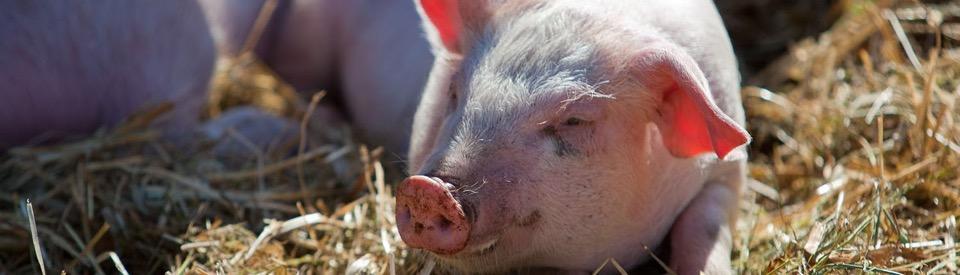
[[566, 134], [561, 147], [573, 121]]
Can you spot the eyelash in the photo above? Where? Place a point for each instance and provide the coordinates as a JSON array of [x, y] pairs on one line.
[[569, 122], [573, 121], [562, 148]]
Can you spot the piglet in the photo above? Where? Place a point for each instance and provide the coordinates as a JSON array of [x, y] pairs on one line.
[[70, 67], [558, 134], [370, 56]]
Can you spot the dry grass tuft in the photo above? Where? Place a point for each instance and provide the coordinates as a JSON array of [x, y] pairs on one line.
[[856, 159], [163, 206], [358, 237], [856, 168]]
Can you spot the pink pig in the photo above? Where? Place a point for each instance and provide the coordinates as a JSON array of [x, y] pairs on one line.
[[370, 56], [557, 134], [70, 67]]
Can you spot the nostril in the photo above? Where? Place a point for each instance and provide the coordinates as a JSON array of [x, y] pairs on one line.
[[443, 223], [417, 228]]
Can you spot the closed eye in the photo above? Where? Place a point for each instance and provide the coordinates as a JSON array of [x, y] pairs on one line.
[[573, 121], [562, 147]]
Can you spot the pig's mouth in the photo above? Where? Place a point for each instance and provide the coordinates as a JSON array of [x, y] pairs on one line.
[[473, 251], [491, 256], [483, 248]]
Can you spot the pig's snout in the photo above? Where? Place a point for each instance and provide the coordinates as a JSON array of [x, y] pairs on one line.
[[428, 216]]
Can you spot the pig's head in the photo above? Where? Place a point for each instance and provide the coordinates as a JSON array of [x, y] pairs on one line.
[[552, 137]]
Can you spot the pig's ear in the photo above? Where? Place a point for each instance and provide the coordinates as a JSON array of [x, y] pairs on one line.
[[449, 22], [689, 120]]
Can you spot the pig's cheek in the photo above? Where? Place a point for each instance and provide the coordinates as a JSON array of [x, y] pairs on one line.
[[531, 220], [582, 191], [509, 204], [539, 195]]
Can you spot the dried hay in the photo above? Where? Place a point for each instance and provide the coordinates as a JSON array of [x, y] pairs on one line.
[[856, 162], [854, 165]]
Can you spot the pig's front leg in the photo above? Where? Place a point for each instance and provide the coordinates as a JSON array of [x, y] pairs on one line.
[[701, 239]]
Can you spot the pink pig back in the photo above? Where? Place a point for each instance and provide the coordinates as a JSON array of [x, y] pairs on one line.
[[371, 56], [69, 67]]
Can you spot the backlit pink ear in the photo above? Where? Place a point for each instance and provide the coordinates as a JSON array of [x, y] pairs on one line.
[[690, 122], [444, 16], [451, 23]]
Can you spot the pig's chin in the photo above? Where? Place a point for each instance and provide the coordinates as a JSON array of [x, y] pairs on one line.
[[492, 254]]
